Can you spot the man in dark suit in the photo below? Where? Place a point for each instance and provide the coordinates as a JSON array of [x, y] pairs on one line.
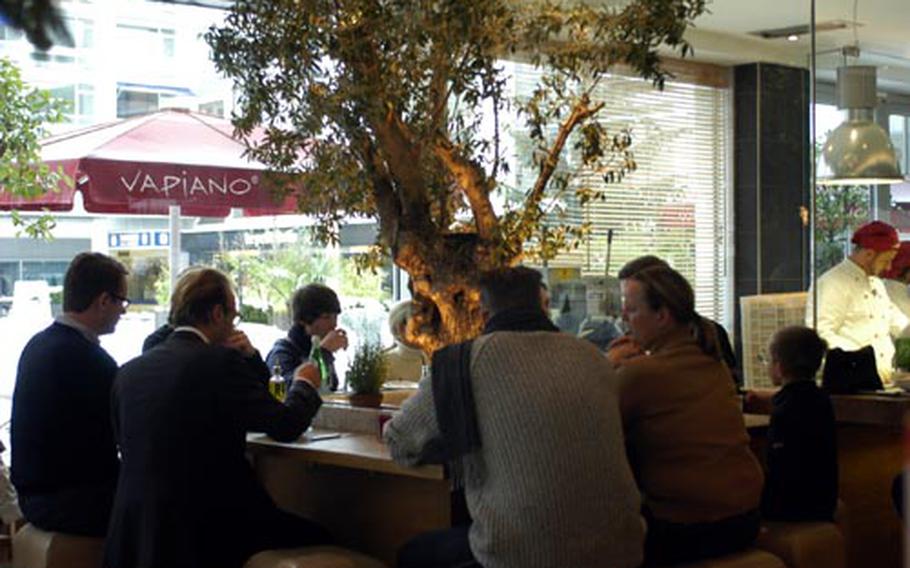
[[187, 497], [64, 458]]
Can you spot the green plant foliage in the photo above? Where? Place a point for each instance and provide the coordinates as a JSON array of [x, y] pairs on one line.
[[162, 285], [360, 279], [368, 369], [839, 210], [24, 112], [268, 278], [252, 314]]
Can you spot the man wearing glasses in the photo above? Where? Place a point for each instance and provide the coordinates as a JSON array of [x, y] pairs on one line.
[[187, 495], [65, 462]]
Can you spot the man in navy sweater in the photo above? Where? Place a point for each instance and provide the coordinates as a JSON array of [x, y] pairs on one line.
[[64, 461]]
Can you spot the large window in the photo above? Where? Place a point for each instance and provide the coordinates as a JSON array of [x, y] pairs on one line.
[[897, 125], [899, 128], [132, 101], [839, 209], [9, 33], [146, 41], [674, 205], [79, 100]]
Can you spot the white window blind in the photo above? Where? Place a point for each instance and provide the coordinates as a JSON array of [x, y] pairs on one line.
[[674, 204]]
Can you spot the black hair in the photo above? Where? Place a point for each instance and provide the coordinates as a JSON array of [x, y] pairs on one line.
[[511, 288], [799, 350], [89, 275], [313, 300]]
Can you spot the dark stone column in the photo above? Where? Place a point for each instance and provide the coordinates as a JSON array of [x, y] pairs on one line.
[[771, 181]]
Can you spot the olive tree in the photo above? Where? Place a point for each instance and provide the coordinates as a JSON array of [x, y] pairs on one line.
[[384, 108], [24, 113]]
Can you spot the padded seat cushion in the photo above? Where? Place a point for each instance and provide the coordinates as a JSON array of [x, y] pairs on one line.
[[747, 559], [35, 548], [804, 545], [312, 557]]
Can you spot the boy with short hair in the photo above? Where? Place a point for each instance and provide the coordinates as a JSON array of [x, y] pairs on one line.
[[801, 484]]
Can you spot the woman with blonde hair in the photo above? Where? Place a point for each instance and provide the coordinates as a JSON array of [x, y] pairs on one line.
[[685, 435], [405, 362]]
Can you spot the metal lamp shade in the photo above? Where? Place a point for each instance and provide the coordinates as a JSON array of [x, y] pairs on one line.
[[858, 152]]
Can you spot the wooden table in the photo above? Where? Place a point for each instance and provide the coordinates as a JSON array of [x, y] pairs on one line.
[[351, 485], [756, 422], [870, 454]]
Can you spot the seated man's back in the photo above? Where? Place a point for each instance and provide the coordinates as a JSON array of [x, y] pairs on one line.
[[186, 495], [549, 485], [63, 453]]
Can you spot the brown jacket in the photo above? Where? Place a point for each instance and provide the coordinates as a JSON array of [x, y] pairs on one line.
[[685, 434]]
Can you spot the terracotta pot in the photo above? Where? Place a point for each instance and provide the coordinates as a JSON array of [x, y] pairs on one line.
[[370, 399]]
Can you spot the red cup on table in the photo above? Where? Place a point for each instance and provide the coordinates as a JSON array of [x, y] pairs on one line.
[[383, 418]]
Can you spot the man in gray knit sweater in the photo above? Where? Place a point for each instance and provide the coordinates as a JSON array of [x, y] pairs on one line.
[[528, 420]]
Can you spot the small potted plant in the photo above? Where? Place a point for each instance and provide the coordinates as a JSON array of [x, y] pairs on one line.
[[366, 374]]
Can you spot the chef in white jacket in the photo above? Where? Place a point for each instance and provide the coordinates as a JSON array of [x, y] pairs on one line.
[[854, 309], [897, 278]]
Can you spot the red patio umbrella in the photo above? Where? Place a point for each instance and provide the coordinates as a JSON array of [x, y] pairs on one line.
[[145, 164]]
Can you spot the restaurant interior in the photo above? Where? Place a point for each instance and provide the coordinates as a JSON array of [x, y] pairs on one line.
[[775, 67], [759, 102]]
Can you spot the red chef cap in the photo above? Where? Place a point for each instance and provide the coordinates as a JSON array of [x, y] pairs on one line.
[[877, 236], [900, 263]]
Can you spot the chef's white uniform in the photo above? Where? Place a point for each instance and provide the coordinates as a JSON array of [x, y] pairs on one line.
[[855, 310], [899, 294]]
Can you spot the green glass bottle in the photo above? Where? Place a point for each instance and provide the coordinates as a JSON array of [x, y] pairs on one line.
[[317, 359]]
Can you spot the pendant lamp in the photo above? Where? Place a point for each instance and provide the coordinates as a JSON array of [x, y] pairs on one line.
[[859, 151]]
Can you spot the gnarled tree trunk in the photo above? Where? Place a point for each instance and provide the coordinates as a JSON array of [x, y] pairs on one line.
[[445, 273]]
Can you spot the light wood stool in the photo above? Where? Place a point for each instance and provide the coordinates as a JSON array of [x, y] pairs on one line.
[[804, 545], [750, 558], [312, 557], [35, 548]]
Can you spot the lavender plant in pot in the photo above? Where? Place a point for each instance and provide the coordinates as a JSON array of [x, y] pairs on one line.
[[366, 373]]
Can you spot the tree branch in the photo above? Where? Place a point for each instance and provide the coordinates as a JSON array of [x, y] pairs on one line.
[[395, 144], [440, 92], [403, 158], [387, 204], [476, 186], [581, 112]]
